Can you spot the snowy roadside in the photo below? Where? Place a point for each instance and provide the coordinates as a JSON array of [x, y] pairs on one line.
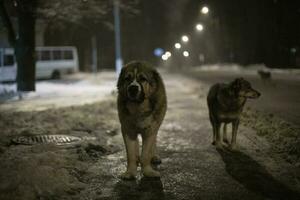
[[251, 69], [76, 89]]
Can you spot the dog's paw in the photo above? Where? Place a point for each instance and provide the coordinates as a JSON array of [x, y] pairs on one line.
[[149, 172], [128, 175], [156, 160], [219, 145]]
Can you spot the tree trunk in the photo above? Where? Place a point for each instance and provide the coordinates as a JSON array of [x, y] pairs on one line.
[[25, 45]]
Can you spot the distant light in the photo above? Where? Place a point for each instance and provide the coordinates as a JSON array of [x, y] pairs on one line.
[[158, 52], [186, 54], [168, 53], [185, 38], [293, 50], [199, 27], [205, 10], [177, 45], [164, 57]]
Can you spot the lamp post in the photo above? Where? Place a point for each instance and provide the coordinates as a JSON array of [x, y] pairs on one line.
[[119, 61]]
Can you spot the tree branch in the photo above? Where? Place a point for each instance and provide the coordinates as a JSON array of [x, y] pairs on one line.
[[7, 22]]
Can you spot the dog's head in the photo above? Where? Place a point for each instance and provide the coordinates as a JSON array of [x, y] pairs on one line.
[[137, 81], [242, 88]]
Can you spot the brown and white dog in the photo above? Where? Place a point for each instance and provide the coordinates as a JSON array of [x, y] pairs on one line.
[[142, 106]]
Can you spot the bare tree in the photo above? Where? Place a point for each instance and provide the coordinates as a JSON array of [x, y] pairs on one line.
[[23, 42], [58, 12]]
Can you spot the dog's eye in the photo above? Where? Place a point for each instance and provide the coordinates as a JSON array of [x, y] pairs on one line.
[[128, 77], [143, 78]]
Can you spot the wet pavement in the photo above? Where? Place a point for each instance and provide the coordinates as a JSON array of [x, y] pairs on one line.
[[191, 167]]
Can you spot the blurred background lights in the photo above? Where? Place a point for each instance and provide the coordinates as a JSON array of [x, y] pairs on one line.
[[186, 54], [164, 57], [168, 53], [158, 52], [199, 27], [204, 10], [185, 38], [177, 45]]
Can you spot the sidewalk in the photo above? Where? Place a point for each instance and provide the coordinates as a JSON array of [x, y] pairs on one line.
[[191, 167]]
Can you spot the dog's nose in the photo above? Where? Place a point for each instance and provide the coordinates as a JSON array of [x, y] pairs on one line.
[[133, 90], [258, 94]]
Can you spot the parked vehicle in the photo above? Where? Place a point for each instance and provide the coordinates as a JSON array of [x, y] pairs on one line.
[[51, 62]]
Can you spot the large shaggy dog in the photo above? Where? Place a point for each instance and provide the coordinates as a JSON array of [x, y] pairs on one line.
[[142, 106]]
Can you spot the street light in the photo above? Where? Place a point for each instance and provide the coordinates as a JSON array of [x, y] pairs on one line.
[[164, 57], [204, 10], [168, 54], [199, 27], [177, 45], [186, 54], [185, 38]]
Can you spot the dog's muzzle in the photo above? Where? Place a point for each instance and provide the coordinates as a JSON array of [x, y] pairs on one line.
[[253, 94], [134, 91]]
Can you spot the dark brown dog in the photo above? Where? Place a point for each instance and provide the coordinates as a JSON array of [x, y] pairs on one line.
[[142, 106], [225, 103]]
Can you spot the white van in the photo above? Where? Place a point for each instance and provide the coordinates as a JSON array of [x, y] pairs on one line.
[[51, 62]]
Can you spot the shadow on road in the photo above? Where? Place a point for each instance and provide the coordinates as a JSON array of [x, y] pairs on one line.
[[146, 189], [255, 177]]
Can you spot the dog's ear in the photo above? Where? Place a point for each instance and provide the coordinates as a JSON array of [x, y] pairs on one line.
[[237, 84], [156, 76], [121, 77], [155, 81]]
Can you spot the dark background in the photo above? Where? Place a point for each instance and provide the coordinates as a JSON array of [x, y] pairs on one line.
[[244, 32]]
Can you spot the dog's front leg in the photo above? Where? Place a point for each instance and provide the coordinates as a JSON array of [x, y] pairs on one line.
[[217, 127], [155, 160], [130, 144], [235, 126], [149, 139], [225, 139]]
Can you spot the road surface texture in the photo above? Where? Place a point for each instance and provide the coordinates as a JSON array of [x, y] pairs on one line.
[[191, 167]]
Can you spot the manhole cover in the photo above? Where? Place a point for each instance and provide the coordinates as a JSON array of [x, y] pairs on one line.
[[46, 139]]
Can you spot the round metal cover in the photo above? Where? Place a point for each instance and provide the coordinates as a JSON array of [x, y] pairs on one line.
[[46, 139]]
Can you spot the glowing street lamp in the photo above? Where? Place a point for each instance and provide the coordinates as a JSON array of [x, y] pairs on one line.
[[204, 10], [177, 45], [164, 57], [185, 38], [199, 27], [186, 54], [168, 54]]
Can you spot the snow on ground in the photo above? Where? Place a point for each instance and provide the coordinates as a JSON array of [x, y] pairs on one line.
[[73, 90], [250, 69]]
